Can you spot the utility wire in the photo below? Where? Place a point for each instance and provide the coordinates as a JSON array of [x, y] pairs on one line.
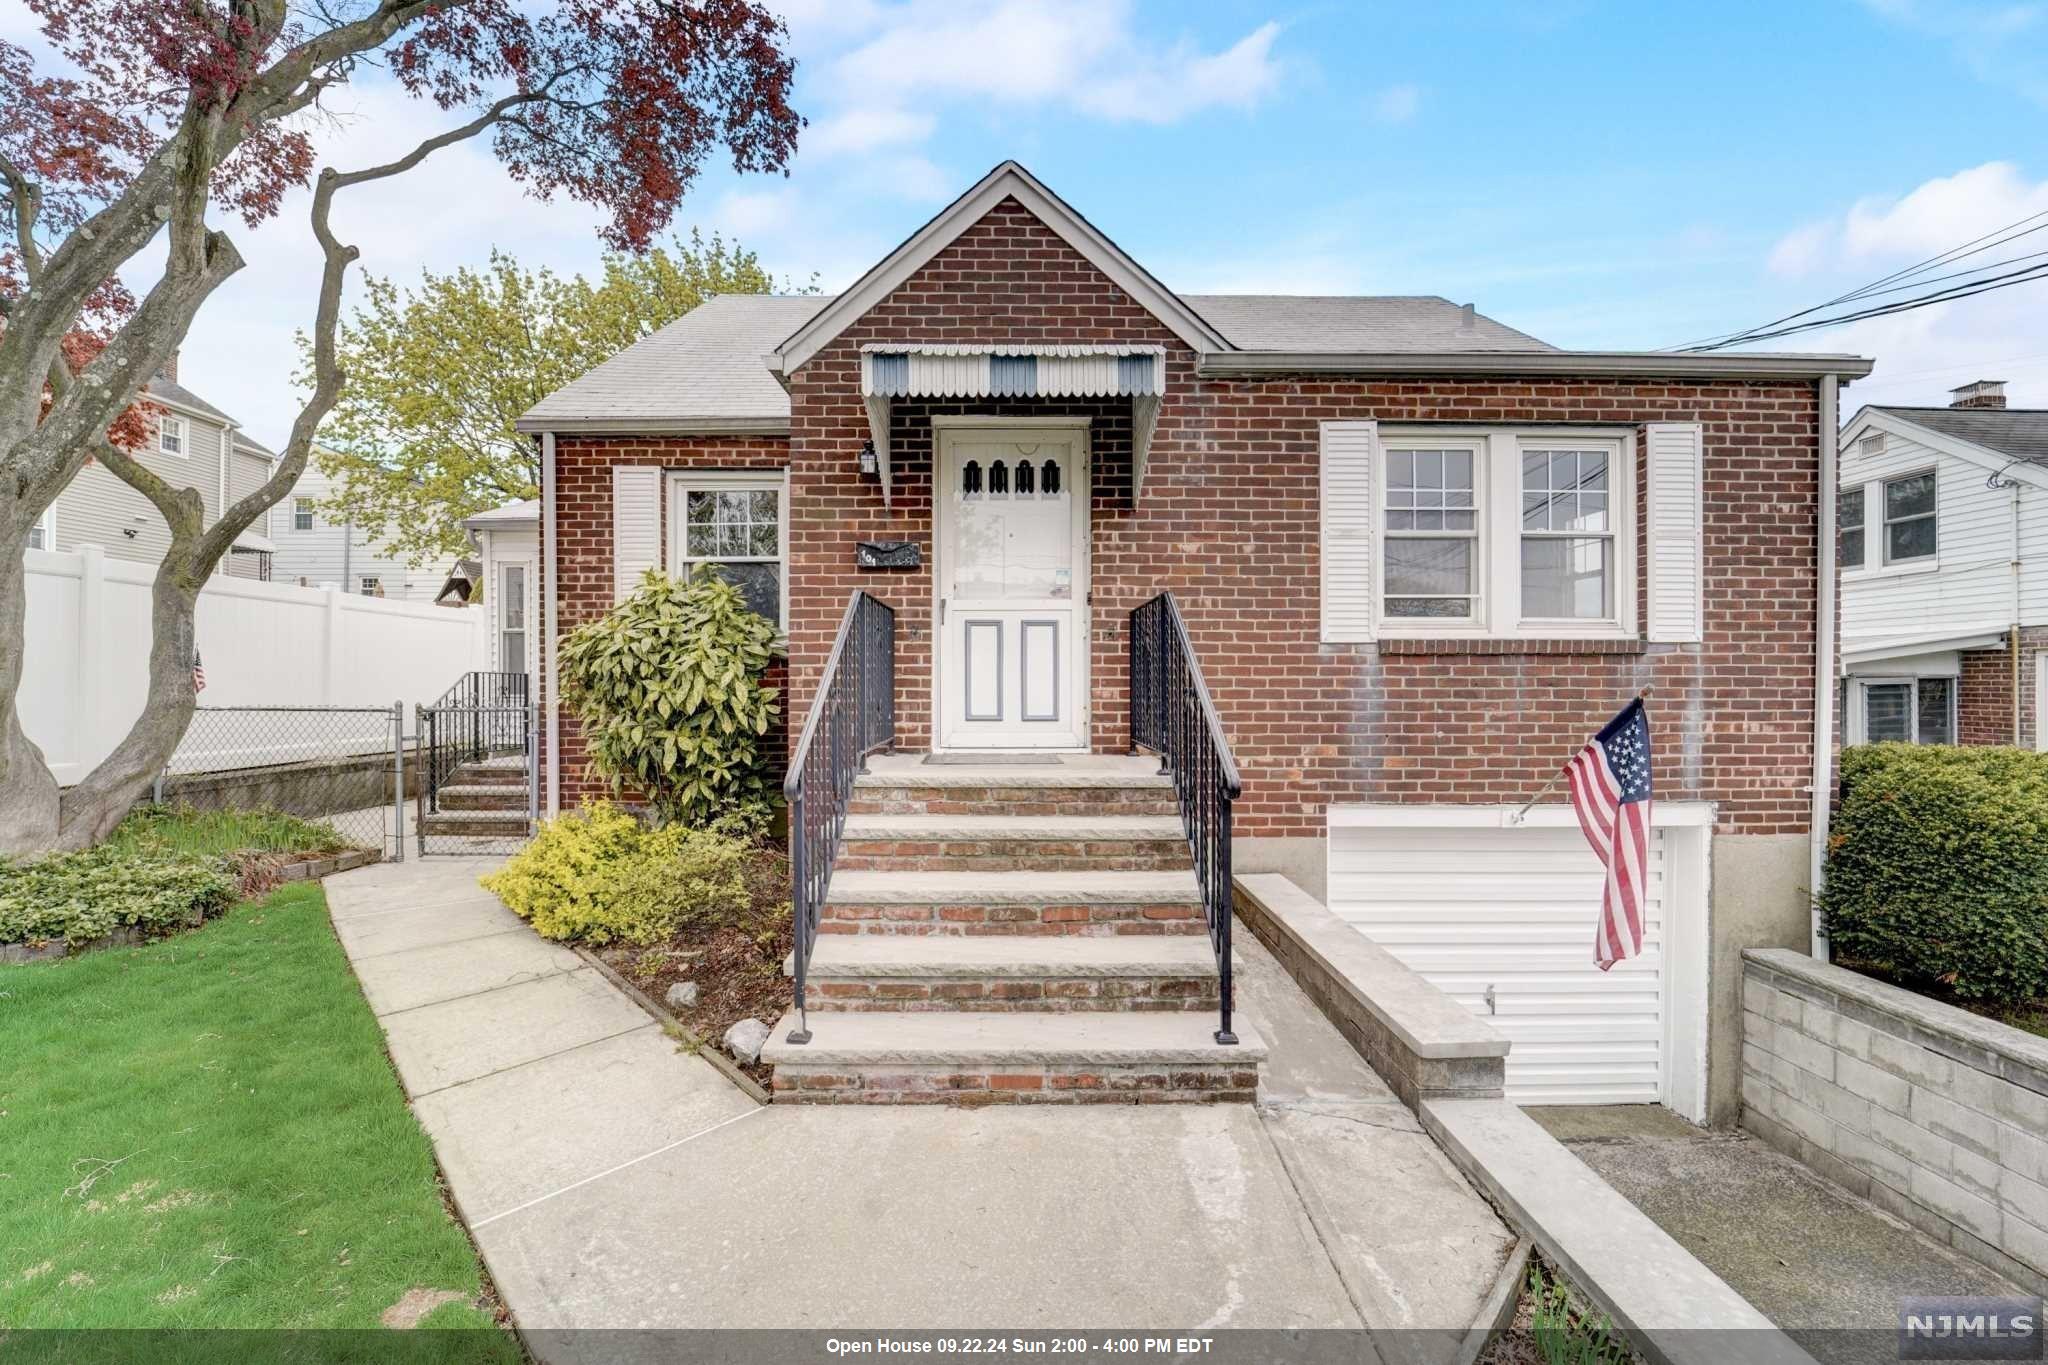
[[1894, 282], [1961, 291]]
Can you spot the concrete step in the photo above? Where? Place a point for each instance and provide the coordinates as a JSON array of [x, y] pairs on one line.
[[1131, 843], [990, 902], [495, 796], [491, 772], [489, 824], [999, 973], [990, 1058]]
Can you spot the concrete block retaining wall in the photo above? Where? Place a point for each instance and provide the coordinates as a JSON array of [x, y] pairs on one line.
[[1934, 1114]]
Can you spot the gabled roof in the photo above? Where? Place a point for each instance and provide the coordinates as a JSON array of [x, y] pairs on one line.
[[2020, 433], [701, 373], [1351, 322], [1007, 181], [171, 391]]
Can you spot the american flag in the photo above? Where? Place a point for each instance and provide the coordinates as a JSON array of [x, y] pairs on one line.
[[1610, 786], [198, 674]]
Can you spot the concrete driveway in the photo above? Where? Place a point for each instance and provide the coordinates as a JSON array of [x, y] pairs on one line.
[[613, 1180]]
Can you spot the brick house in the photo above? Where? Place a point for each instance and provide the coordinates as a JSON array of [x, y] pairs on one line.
[[1419, 556], [1944, 597]]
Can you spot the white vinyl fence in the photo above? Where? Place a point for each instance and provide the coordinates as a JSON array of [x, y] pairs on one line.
[[262, 644]]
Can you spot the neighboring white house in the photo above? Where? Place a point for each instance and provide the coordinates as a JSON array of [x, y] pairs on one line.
[[315, 549], [193, 444], [1943, 518], [508, 544]]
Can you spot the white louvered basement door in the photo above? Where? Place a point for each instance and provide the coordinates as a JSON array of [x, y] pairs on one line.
[[1513, 909]]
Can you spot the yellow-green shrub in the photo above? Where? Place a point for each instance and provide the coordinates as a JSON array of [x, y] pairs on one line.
[[599, 876]]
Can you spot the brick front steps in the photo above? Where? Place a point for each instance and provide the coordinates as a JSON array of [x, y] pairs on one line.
[[908, 972], [1015, 1058], [1008, 843], [1013, 933], [1030, 902]]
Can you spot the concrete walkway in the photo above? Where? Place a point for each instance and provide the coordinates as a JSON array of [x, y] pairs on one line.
[[613, 1180]]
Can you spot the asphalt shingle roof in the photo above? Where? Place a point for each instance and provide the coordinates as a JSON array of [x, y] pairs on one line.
[[172, 391], [1350, 322], [2018, 432], [707, 365]]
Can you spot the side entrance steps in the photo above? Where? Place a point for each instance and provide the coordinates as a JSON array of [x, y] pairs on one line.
[[482, 799], [1013, 935]]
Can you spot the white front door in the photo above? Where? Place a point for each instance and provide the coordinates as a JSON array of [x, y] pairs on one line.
[[1012, 583]]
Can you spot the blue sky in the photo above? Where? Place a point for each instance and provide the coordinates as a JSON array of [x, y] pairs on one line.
[[1600, 174]]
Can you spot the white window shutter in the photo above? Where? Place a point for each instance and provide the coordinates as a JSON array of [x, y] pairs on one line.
[[1677, 549], [636, 525], [1349, 453]]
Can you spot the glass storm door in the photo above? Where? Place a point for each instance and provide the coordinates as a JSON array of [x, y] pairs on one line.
[[1012, 582]]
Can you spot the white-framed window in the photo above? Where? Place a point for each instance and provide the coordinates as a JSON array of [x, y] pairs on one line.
[[740, 523], [512, 618], [1516, 533], [302, 514], [1849, 529], [1909, 710], [1911, 531], [1890, 523], [373, 586], [173, 435], [43, 535]]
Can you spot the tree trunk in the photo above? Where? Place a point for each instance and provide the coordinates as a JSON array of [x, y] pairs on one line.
[[28, 791]]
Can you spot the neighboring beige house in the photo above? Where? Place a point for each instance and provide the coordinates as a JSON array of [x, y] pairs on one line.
[[315, 549], [194, 444]]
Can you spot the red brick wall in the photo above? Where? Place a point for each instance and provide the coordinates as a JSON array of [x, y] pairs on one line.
[[1230, 523], [1984, 693], [583, 519]]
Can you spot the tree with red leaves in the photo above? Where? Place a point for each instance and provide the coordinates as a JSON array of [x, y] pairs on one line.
[[166, 109]]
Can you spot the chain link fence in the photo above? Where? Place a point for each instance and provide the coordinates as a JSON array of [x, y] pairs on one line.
[[351, 767]]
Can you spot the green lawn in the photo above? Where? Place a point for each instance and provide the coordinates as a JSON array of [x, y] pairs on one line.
[[205, 1132]]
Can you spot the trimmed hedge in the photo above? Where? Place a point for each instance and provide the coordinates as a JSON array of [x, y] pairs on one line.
[[1938, 868]]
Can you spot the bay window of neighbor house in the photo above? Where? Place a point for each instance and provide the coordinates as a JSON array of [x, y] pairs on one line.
[[1506, 533], [738, 524], [1907, 710]]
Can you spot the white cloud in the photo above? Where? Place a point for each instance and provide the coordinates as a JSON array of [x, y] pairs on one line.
[[1397, 103], [2000, 44], [1087, 56], [865, 130], [1920, 354], [1932, 218]]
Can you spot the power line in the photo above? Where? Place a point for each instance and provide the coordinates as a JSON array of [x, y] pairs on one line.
[[1961, 291], [1893, 282]]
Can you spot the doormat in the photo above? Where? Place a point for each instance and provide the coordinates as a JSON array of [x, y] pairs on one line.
[[994, 760]]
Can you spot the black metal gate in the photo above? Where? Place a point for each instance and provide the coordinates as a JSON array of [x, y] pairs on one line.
[[478, 780]]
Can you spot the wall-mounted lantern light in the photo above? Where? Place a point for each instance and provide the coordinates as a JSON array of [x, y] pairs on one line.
[[867, 457]]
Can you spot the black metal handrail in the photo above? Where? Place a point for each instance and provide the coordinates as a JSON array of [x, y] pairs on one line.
[[852, 716], [484, 714], [1172, 715]]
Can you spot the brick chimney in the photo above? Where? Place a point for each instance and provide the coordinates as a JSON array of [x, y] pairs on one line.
[[169, 370], [1979, 393]]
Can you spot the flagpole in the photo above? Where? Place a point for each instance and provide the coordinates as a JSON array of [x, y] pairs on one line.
[[1522, 813]]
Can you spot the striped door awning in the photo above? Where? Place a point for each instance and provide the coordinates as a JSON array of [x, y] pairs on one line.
[[889, 371]]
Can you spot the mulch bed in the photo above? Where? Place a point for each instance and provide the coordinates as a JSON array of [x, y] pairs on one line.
[[737, 968]]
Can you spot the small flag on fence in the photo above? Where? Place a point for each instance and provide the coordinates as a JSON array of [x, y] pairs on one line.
[[1610, 786], [198, 674]]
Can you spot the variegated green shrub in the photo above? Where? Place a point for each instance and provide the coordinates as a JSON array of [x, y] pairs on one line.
[[668, 688]]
